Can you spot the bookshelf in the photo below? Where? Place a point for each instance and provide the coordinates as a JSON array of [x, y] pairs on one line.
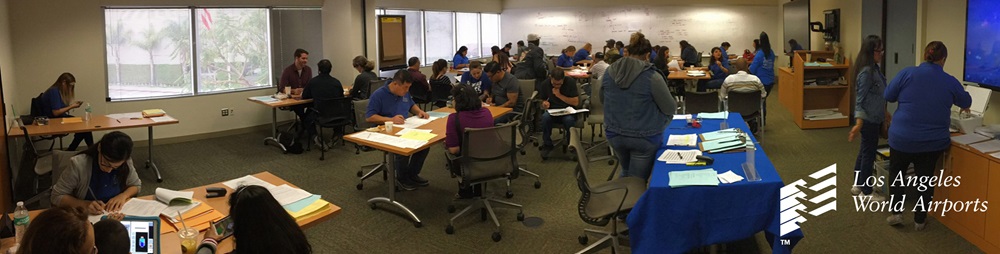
[[801, 98]]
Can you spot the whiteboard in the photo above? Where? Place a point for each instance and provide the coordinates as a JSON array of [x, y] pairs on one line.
[[703, 27]]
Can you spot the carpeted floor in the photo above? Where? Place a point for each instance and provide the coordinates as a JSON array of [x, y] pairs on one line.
[[359, 229]]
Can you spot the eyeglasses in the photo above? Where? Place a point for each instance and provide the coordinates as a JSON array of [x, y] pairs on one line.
[[105, 162]]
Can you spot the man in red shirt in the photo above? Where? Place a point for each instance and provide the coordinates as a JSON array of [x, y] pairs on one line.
[[296, 75]]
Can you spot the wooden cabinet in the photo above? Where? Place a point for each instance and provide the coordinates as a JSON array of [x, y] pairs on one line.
[[980, 180], [992, 233], [798, 97]]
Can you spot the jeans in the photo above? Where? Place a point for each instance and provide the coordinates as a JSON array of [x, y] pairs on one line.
[[547, 121], [865, 163], [87, 137], [923, 165], [636, 155], [408, 166], [505, 118], [767, 88]]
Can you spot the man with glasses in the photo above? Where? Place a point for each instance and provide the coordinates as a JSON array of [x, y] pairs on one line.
[[505, 91]]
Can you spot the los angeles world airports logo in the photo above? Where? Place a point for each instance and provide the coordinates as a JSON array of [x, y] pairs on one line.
[[791, 208]]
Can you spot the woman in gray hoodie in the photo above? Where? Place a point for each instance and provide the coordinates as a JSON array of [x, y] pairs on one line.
[[631, 87]]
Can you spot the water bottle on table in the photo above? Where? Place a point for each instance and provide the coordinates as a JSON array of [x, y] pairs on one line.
[[21, 220], [87, 112]]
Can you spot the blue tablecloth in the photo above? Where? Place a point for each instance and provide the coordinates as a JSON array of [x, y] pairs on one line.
[[676, 220]]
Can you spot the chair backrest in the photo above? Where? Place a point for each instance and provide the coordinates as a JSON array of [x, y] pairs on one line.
[[38, 106], [332, 108], [699, 102], [441, 89], [596, 99], [582, 181], [360, 121], [489, 153], [25, 176], [60, 163], [375, 85], [527, 87], [745, 103]]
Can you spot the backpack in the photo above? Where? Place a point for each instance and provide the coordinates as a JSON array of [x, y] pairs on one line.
[[290, 140]]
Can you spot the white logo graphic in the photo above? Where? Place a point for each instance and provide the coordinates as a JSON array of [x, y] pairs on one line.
[[790, 206]]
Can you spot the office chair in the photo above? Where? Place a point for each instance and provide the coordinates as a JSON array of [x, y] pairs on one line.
[[488, 154], [421, 95], [36, 110], [700, 102], [331, 113], [374, 85], [595, 118], [602, 203], [360, 106], [36, 167], [440, 92], [748, 104]]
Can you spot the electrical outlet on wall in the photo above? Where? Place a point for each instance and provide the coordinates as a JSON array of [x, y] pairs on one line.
[[225, 111]]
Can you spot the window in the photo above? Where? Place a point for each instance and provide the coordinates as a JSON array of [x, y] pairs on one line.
[[467, 34], [414, 32], [148, 52], [490, 32], [433, 35], [172, 52], [440, 32]]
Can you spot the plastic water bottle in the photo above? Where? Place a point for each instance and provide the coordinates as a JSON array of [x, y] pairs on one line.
[[88, 111], [20, 221]]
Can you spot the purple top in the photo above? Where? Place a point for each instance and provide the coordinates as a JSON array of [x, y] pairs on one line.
[[479, 118]]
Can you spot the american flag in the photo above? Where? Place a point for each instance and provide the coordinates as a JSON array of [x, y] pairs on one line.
[[206, 18]]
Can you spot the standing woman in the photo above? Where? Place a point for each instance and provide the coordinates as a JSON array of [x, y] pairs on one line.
[[58, 100], [101, 178], [763, 66], [635, 129], [460, 60], [359, 91], [919, 133], [870, 112]]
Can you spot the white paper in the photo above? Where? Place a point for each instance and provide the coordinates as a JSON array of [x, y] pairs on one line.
[[682, 117], [995, 155], [414, 122], [969, 138], [679, 156], [389, 140], [142, 207], [729, 177], [987, 147], [287, 194], [166, 195], [247, 180], [404, 131], [566, 111], [128, 115], [162, 119], [717, 115], [682, 140]]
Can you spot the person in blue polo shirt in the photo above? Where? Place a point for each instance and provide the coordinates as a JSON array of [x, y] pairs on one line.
[[583, 53], [393, 103], [566, 60], [461, 59]]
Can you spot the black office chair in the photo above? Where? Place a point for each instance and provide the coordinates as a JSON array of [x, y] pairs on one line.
[[36, 111], [360, 106], [374, 85], [441, 92], [750, 105], [421, 95], [488, 154], [701, 102], [601, 203], [334, 113], [33, 168]]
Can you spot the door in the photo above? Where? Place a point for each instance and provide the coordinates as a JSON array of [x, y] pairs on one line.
[[900, 37]]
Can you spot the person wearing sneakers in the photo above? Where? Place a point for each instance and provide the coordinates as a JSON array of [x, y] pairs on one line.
[[870, 112], [556, 92], [392, 103], [919, 133]]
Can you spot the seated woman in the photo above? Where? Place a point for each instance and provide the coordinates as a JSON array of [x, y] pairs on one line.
[[470, 113], [101, 178], [566, 59], [57, 101], [260, 225], [441, 84], [59, 230], [461, 59], [359, 90], [719, 66]]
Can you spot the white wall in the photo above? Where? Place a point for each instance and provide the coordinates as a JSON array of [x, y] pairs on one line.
[[6, 58], [44, 46], [850, 24], [519, 4]]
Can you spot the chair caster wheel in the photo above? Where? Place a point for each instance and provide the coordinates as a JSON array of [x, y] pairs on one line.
[[583, 239], [360, 186], [372, 206], [535, 143], [509, 194], [611, 162], [449, 230], [451, 208], [483, 214], [496, 236], [538, 184], [520, 216], [418, 224], [523, 152], [360, 173]]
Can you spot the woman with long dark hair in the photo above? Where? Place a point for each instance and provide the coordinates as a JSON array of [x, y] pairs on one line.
[[260, 225], [101, 178], [469, 113], [62, 230], [919, 132], [58, 100], [763, 66], [719, 66], [440, 83], [689, 54], [870, 113], [461, 59]]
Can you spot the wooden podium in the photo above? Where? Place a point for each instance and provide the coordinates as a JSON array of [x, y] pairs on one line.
[[798, 96]]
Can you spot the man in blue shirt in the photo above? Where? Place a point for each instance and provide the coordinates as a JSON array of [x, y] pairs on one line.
[[583, 53], [725, 50], [392, 103]]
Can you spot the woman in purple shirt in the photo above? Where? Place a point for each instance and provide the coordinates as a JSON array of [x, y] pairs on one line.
[[469, 113]]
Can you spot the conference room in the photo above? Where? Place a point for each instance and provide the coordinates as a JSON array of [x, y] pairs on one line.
[[379, 126]]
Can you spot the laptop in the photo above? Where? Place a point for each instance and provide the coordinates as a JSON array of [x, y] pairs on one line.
[[144, 233]]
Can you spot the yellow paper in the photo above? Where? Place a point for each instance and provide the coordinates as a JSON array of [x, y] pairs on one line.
[[66, 120], [310, 209], [421, 136], [153, 113]]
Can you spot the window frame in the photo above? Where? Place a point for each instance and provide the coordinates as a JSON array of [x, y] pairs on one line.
[[425, 62]]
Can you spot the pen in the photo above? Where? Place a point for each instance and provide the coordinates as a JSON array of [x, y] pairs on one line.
[[679, 155], [119, 121]]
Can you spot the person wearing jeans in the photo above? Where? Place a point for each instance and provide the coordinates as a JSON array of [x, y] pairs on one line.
[[556, 92], [630, 87], [392, 103], [870, 112], [919, 133]]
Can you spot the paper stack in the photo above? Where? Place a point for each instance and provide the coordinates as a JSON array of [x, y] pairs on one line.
[[300, 204], [153, 113], [717, 115], [264, 99], [200, 218], [679, 156], [729, 177], [414, 121], [682, 140], [823, 114], [566, 111], [389, 140], [700, 177]]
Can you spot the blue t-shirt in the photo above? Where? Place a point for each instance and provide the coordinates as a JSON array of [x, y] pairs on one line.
[[104, 185], [459, 59], [724, 55], [52, 100], [763, 68], [717, 72], [481, 84], [386, 104], [925, 94], [564, 61], [581, 55]]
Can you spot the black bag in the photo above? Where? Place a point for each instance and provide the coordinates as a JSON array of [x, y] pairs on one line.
[[291, 142]]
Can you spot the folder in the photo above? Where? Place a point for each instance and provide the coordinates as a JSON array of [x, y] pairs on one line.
[[67, 120], [153, 113]]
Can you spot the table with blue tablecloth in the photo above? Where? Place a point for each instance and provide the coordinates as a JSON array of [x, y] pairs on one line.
[[676, 220]]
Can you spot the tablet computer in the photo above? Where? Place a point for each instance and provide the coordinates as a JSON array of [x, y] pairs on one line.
[[144, 233]]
